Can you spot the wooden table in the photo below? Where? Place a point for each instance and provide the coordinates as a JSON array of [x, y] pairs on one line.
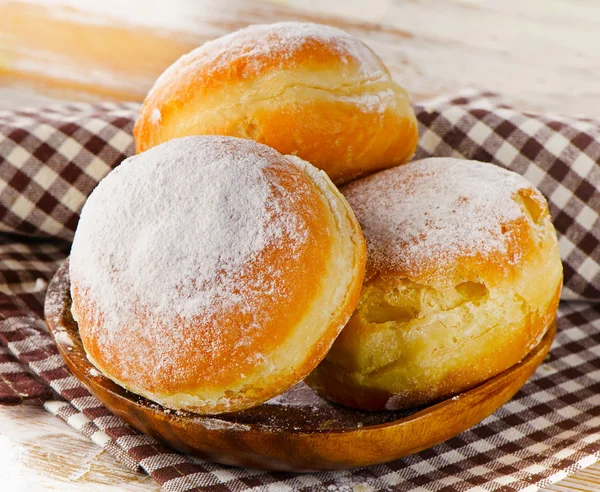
[[542, 54]]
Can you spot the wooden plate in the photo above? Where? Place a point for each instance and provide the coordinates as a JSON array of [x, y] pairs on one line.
[[296, 431]]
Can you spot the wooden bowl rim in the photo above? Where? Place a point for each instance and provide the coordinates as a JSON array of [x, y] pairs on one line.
[[55, 312]]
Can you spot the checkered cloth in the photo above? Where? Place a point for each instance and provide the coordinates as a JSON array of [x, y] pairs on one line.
[[51, 159]]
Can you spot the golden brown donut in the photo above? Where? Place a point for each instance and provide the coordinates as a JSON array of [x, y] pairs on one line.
[[201, 272], [463, 279], [304, 89]]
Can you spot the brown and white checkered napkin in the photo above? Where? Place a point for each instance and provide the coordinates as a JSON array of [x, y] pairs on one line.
[[51, 159]]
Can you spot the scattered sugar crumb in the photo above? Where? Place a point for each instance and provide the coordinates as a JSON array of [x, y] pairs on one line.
[[155, 116], [40, 284], [63, 338], [300, 395]]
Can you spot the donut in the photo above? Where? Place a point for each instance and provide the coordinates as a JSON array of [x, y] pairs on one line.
[[304, 89], [463, 279], [212, 273]]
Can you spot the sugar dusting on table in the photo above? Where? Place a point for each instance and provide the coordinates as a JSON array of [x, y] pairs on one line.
[[429, 212]]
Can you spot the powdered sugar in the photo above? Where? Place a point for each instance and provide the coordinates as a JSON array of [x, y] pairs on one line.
[[277, 44], [298, 396], [425, 214], [377, 102], [328, 189], [171, 232], [218, 424]]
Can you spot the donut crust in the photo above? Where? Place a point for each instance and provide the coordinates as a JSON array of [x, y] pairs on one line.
[[234, 356], [430, 327], [317, 93]]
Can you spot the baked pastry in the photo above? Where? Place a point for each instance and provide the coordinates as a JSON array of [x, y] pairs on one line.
[[201, 272], [463, 279], [304, 89]]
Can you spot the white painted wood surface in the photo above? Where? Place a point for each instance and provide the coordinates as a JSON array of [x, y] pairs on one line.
[[38, 451], [542, 54]]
